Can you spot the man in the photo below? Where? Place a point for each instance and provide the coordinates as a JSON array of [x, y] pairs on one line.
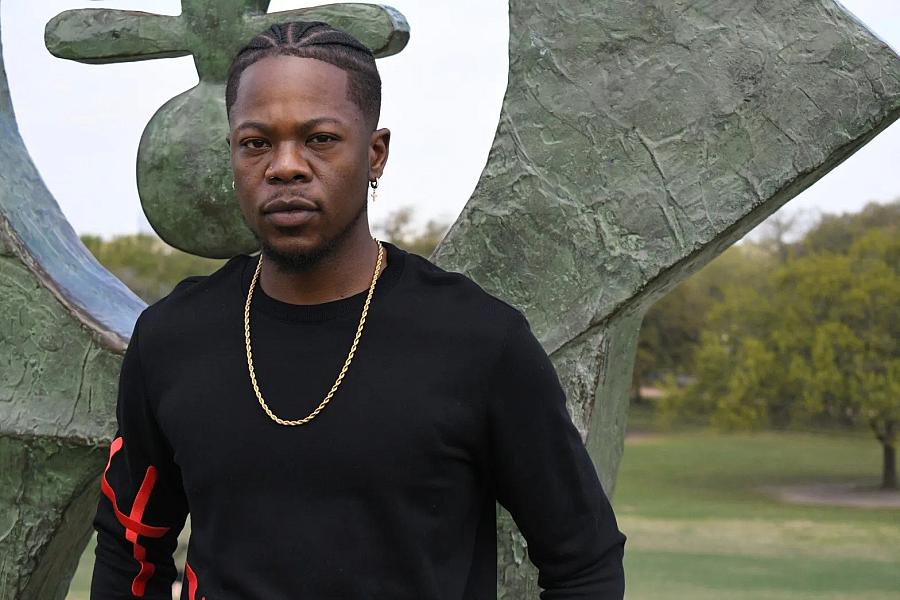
[[338, 415]]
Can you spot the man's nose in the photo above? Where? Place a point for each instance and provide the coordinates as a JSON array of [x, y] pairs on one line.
[[288, 164]]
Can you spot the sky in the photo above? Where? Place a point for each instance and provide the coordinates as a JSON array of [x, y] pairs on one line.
[[441, 100]]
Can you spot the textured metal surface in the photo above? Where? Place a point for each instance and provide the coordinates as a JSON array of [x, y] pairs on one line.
[[638, 140], [57, 411], [211, 30], [184, 176], [38, 233]]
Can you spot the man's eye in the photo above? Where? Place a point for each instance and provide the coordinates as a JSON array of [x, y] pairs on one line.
[[322, 138], [255, 143]]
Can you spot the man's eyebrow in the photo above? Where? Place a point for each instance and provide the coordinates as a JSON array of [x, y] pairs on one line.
[[304, 125]]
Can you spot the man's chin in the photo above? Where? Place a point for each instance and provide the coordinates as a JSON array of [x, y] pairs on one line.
[[295, 259], [292, 255]]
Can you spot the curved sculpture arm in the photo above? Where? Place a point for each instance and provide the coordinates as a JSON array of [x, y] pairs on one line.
[[36, 231]]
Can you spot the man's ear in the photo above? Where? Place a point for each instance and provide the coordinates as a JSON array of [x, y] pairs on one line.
[[378, 152]]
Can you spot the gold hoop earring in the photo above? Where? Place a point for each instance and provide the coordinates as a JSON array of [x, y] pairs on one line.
[[374, 185]]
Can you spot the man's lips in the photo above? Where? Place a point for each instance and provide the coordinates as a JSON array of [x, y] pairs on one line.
[[289, 212], [291, 218], [288, 204]]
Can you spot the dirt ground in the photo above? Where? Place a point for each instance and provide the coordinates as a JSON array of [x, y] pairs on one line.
[[853, 494]]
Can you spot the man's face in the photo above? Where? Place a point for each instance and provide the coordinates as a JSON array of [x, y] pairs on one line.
[[298, 142]]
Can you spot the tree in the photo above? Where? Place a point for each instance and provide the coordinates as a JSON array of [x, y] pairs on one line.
[[671, 330], [836, 233], [815, 342], [146, 264], [776, 231], [852, 370], [398, 229]]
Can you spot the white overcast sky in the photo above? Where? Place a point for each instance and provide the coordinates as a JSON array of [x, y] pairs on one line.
[[442, 97]]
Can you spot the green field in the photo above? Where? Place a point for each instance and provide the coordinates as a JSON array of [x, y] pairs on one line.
[[699, 529]]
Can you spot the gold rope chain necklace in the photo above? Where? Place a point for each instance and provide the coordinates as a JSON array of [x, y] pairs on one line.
[[362, 321]]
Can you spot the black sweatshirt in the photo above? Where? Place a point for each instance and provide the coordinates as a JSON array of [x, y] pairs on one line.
[[450, 403]]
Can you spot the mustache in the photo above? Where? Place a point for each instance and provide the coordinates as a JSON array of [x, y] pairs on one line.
[[288, 194]]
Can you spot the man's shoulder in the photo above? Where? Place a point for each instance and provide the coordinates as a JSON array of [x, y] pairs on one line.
[[195, 299], [459, 294]]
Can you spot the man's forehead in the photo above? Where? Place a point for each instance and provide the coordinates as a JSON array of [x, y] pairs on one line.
[[293, 81], [293, 73], [263, 125]]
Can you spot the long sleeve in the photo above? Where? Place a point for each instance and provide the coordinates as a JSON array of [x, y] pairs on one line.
[[142, 505], [545, 478]]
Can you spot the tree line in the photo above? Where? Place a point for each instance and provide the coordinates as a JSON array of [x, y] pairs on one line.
[[779, 334]]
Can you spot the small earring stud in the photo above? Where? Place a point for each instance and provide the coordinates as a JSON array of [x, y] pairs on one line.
[[232, 184]]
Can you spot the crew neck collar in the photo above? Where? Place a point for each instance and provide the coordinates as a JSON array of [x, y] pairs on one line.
[[324, 311]]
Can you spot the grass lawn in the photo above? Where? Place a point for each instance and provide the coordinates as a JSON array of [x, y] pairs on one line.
[[698, 528]]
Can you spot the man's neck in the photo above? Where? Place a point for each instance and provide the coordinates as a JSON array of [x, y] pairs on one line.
[[344, 272]]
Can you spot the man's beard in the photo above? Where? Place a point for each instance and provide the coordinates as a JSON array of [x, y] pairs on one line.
[[301, 262]]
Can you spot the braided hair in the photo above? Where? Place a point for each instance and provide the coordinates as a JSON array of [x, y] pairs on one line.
[[314, 39]]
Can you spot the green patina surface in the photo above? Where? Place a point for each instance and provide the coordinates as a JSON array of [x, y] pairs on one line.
[[57, 409], [184, 176], [636, 142]]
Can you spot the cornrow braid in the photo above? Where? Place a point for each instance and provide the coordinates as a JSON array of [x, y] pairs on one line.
[[318, 40]]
